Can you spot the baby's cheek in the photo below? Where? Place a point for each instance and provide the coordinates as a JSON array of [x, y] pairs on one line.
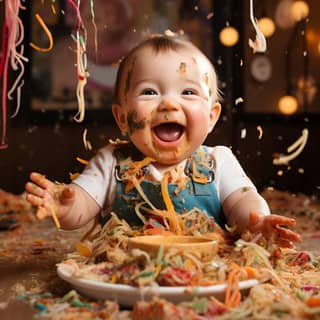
[[200, 117], [135, 122]]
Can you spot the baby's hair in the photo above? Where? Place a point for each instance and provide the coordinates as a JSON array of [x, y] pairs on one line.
[[159, 43]]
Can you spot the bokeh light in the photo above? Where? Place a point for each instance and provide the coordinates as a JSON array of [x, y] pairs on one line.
[[299, 10], [267, 26], [229, 36], [288, 105]]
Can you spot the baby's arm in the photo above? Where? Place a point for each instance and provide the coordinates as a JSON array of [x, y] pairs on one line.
[[73, 206], [246, 209]]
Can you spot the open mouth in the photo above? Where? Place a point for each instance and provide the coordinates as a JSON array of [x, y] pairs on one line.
[[168, 132]]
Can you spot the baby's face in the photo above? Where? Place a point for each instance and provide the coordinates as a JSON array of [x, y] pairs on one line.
[[167, 107]]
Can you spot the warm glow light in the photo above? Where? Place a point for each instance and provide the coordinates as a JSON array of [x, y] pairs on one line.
[[229, 36], [299, 10], [288, 105], [266, 26]]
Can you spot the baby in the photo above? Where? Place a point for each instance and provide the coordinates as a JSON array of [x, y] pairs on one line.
[[166, 102]]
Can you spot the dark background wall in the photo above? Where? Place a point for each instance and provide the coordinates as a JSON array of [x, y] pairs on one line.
[[49, 142]]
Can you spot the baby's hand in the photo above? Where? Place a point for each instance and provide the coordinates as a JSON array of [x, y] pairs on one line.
[[50, 198], [274, 227]]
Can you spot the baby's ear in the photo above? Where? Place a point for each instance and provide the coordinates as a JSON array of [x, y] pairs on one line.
[[120, 115], [214, 114]]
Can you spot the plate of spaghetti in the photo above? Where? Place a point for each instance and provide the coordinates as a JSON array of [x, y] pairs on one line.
[[245, 276], [127, 295], [106, 264]]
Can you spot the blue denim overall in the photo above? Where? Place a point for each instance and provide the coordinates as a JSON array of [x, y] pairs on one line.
[[198, 193]]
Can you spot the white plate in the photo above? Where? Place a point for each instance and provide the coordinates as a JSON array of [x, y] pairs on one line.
[[127, 295]]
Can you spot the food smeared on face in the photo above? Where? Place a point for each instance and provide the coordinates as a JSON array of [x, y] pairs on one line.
[[128, 79], [182, 68], [133, 123], [206, 79]]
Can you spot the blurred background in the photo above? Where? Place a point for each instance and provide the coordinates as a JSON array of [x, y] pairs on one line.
[[269, 97]]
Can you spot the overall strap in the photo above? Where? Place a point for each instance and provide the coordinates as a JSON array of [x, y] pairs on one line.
[[200, 167]]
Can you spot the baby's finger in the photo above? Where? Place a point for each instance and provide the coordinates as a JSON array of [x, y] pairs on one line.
[[281, 220], [34, 200], [34, 189], [41, 213], [287, 234], [41, 180]]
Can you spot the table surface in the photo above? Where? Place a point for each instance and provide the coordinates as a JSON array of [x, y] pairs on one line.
[[29, 254]]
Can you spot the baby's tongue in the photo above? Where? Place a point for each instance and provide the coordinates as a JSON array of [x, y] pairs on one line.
[[168, 131]]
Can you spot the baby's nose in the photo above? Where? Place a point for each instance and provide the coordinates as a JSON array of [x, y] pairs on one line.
[[169, 105]]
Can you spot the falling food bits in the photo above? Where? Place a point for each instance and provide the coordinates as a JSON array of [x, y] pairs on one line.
[[260, 43], [210, 15], [260, 131], [298, 146], [280, 173], [243, 133], [239, 100], [86, 142]]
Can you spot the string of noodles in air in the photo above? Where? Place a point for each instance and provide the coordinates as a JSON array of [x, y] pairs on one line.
[[82, 78], [298, 145], [18, 98], [95, 29], [86, 142], [47, 32], [16, 60], [53, 8], [81, 65], [260, 43], [12, 38]]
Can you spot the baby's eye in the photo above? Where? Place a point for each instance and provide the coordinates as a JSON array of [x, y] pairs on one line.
[[189, 92], [149, 92]]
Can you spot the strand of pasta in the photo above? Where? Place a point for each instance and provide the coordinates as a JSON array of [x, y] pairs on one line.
[[260, 43], [173, 216], [233, 294], [82, 73], [95, 29], [47, 32], [12, 38], [299, 145]]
